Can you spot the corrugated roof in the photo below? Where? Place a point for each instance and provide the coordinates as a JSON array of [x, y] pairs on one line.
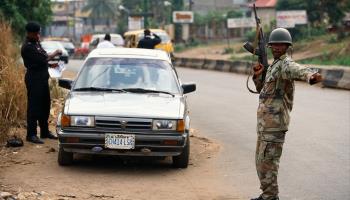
[[264, 3]]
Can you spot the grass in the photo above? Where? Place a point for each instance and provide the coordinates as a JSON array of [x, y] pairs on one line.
[[339, 60], [13, 97], [12, 88]]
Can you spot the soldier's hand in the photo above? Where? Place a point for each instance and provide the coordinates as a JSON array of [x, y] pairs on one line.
[[258, 69], [315, 78]]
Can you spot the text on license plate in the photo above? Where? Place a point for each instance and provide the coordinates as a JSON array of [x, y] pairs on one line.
[[119, 141]]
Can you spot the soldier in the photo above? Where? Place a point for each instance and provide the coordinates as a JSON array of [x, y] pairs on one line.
[[36, 60], [148, 42], [275, 104]]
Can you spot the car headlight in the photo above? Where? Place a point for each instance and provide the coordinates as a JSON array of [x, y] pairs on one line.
[[174, 125], [164, 125], [84, 121]]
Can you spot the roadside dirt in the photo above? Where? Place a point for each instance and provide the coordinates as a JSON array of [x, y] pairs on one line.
[[32, 172]]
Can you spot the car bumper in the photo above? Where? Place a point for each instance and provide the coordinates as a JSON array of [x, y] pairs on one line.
[[145, 144]]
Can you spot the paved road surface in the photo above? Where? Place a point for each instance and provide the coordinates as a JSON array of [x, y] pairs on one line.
[[316, 160]]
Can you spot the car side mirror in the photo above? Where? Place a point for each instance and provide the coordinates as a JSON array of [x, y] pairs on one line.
[[188, 87], [65, 83]]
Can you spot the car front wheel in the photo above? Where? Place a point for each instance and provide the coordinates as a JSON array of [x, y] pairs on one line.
[[64, 158], [181, 161]]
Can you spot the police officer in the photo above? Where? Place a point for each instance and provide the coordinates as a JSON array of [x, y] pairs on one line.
[[36, 60], [275, 105], [148, 42]]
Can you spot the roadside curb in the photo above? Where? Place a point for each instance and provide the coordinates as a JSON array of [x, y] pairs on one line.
[[334, 77]]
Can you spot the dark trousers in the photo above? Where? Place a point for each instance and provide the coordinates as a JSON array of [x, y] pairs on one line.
[[38, 107]]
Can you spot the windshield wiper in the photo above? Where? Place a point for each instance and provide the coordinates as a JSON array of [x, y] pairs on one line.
[[141, 90], [99, 89]]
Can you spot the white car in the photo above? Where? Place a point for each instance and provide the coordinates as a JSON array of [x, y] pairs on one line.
[[116, 39], [126, 102], [51, 46]]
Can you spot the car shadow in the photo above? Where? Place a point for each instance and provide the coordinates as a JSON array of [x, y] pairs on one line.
[[125, 164]]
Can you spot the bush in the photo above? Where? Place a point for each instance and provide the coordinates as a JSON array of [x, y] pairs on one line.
[[12, 87]]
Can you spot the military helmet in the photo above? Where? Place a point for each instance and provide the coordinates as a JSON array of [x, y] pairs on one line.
[[280, 35]]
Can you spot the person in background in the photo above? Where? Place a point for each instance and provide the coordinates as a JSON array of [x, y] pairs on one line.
[[106, 43], [147, 42], [36, 60]]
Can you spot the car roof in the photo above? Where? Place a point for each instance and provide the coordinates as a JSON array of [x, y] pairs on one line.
[[103, 35], [130, 53]]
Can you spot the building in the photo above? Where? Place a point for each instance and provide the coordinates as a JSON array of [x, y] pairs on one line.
[[266, 10]]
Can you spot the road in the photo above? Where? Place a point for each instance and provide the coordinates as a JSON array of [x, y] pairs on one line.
[[316, 159], [315, 164]]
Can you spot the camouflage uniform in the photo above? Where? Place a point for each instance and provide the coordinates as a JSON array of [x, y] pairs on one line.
[[275, 104]]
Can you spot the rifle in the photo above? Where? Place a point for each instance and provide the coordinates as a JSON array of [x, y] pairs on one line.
[[258, 48]]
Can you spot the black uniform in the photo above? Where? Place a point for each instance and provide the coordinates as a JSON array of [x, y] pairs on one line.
[[148, 43], [38, 94]]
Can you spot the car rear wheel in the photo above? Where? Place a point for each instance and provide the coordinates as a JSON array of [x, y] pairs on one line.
[[64, 158], [181, 161]]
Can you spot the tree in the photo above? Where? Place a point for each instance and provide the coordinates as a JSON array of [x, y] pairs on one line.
[[102, 9], [318, 11], [18, 13]]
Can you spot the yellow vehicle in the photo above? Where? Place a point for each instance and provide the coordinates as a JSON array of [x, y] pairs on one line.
[[132, 38]]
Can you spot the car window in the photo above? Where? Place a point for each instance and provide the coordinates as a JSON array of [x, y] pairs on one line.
[[124, 73]]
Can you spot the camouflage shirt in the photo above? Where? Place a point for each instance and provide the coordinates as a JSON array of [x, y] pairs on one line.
[[276, 93]]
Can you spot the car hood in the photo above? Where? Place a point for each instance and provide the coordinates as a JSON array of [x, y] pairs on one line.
[[125, 105]]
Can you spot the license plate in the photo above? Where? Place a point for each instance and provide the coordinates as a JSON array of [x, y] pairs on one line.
[[119, 141]]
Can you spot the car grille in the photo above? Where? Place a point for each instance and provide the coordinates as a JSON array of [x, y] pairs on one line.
[[123, 124]]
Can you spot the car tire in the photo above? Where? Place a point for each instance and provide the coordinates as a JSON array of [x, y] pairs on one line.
[[64, 158], [181, 161]]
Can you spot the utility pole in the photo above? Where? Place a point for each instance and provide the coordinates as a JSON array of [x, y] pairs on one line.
[[177, 6], [74, 25], [145, 10]]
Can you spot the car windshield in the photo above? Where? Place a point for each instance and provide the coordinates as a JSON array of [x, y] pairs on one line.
[[145, 75]]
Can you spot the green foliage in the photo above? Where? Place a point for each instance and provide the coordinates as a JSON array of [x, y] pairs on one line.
[[234, 14], [306, 33], [183, 46], [102, 9], [228, 50], [250, 35], [19, 12], [343, 60], [318, 11]]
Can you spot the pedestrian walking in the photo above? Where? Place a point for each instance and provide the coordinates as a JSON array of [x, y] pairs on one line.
[[36, 60], [147, 42], [106, 43], [275, 105]]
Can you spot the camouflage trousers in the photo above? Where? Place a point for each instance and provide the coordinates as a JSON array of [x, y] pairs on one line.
[[268, 152]]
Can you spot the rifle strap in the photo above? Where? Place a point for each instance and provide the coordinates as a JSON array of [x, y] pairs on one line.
[[255, 44]]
